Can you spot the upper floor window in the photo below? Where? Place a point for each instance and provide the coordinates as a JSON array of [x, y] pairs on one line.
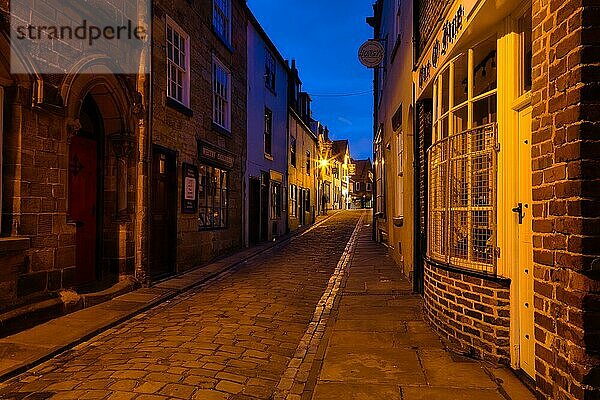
[[222, 19], [221, 95], [369, 187], [270, 70], [276, 200], [268, 132], [178, 63], [357, 186], [308, 163], [293, 151]]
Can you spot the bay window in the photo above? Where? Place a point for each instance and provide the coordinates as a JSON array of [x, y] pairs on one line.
[[463, 160]]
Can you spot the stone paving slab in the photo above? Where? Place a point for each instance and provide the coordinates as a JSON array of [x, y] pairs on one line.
[[379, 346]]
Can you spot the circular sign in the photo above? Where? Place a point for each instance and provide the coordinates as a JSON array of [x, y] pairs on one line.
[[371, 53]]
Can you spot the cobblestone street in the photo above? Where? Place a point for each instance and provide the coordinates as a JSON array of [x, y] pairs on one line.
[[263, 331], [233, 339]]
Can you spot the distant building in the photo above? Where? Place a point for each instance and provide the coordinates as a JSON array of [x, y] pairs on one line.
[[302, 157], [325, 178], [340, 158], [267, 147], [361, 184]]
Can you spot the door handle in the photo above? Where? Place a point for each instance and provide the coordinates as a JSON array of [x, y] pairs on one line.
[[519, 210]]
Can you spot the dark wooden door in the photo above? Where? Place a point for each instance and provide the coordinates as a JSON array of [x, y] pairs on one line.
[[163, 214], [83, 195], [254, 211]]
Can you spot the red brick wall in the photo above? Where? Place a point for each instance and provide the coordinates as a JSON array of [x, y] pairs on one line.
[[470, 313], [566, 163]]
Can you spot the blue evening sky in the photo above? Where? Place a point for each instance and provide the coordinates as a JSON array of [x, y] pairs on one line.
[[324, 36]]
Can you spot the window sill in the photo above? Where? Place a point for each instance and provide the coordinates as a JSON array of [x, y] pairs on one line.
[[268, 157], [212, 229], [220, 130], [182, 108], [223, 40], [13, 244]]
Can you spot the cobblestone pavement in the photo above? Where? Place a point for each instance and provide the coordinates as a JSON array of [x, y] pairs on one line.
[[233, 339]]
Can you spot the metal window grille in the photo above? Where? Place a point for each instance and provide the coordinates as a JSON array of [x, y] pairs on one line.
[[462, 200]]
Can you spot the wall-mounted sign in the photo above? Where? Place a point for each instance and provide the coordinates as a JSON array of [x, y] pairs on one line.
[[446, 37], [189, 197], [211, 154], [371, 53]]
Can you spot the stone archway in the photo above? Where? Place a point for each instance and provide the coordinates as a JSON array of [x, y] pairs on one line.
[[100, 131]]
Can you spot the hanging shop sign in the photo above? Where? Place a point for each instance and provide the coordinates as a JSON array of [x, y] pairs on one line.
[[371, 54], [189, 199], [213, 155], [444, 42]]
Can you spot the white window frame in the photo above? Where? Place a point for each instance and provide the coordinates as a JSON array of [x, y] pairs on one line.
[[218, 95], [226, 15], [357, 186], [185, 68]]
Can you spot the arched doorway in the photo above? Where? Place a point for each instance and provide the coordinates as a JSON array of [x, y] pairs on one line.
[[86, 155]]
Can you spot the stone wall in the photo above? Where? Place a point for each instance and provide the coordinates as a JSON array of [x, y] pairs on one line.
[[566, 194], [472, 314], [179, 130]]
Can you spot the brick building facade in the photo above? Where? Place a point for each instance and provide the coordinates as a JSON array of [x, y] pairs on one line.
[[505, 142]]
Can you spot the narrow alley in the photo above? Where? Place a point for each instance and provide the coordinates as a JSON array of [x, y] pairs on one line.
[[326, 316]]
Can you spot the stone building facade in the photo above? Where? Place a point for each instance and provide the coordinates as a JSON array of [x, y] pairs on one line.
[[199, 132], [505, 144]]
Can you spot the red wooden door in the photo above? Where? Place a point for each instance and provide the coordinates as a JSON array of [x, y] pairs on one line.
[[83, 193]]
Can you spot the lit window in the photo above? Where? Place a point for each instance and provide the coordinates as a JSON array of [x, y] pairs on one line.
[[222, 18], [178, 77], [270, 70], [221, 95], [268, 132], [213, 196], [380, 178]]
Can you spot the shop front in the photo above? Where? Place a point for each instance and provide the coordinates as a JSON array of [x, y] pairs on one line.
[[478, 272]]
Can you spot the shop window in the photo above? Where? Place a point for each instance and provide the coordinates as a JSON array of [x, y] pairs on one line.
[[268, 139], [275, 200], [178, 63], [461, 80], [221, 95], [213, 196], [293, 151], [462, 162], [293, 200], [484, 68]]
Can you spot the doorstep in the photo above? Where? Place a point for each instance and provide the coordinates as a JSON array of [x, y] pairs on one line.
[[26, 349]]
